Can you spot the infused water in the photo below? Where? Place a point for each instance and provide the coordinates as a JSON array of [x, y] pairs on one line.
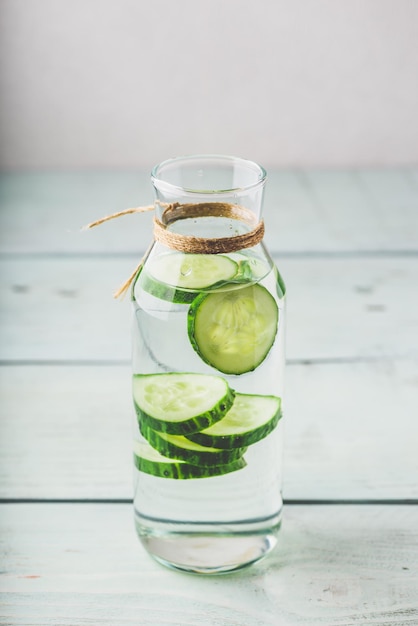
[[208, 360]]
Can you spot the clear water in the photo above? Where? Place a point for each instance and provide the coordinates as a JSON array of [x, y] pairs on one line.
[[221, 523]]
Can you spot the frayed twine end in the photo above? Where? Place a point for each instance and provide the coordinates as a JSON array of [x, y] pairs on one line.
[[141, 209], [107, 218], [125, 287]]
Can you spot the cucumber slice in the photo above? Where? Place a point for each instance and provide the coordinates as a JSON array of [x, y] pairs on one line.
[[280, 286], [169, 275], [166, 292], [150, 461], [179, 404], [178, 447], [251, 269], [250, 419], [233, 331]]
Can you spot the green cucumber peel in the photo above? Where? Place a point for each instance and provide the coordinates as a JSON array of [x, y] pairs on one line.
[[149, 461], [250, 419], [180, 403], [183, 449]]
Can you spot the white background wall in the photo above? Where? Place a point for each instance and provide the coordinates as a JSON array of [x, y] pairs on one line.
[[126, 83]]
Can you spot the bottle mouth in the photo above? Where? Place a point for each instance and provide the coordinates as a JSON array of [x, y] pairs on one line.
[[207, 174]]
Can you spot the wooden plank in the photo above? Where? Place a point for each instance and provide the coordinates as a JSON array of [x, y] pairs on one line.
[[345, 308], [351, 308], [304, 211], [290, 215], [393, 198], [63, 309], [365, 209], [44, 212], [335, 565], [322, 211], [66, 432], [350, 431]]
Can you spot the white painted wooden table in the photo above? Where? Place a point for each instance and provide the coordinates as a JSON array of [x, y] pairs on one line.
[[347, 246]]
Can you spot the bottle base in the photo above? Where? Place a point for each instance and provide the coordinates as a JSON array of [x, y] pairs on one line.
[[209, 552]]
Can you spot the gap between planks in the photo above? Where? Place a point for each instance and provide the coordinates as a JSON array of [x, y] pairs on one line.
[[126, 362], [277, 254], [286, 501]]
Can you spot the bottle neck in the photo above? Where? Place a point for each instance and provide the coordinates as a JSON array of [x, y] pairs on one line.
[[207, 228]]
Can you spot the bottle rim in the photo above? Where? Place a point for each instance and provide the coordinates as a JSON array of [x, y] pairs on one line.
[[161, 184]]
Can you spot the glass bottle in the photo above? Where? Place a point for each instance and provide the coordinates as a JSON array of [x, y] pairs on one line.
[[208, 364]]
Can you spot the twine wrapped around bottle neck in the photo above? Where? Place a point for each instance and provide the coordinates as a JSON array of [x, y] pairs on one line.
[[189, 243]]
